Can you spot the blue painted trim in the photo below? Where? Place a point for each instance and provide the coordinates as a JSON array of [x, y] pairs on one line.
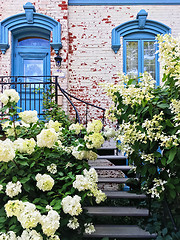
[[152, 27], [124, 2], [20, 22]]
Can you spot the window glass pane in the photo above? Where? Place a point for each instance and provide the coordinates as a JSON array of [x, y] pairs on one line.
[[33, 67], [149, 58], [132, 59], [34, 42]]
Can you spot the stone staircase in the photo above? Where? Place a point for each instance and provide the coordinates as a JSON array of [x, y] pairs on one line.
[[113, 170]]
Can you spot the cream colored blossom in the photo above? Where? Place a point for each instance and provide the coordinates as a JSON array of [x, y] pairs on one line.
[[54, 237], [90, 155], [73, 223], [94, 126], [148, 158], [7, 152], [52, 168], [94, 140], [14, 208], [56, 125], [13, 189], [25, 145], [8, 236], [89, 228], [1, 187], [9, 95], [29, 116], [9, 128], [81, 183], [30, 235], [50, 223], [47, 138], [72, 205], [76, 127], [157, 189], [44, 182], [109, 132]]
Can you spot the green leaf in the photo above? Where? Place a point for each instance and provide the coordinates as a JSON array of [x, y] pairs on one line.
[[173, 194], [171, 155]]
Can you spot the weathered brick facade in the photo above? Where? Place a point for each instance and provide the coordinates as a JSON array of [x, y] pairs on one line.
[[86, 38]]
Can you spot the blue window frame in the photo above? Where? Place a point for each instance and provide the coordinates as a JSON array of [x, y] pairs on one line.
[[139, 56], [138, 44]]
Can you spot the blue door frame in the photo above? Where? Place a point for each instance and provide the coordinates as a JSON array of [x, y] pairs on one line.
[[34, 61]]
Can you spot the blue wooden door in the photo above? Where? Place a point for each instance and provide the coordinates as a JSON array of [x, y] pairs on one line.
[[32, 66]]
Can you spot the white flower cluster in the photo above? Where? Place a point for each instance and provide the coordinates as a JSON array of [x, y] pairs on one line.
[[72, 205], [175, 108], [56, 125], [157, 189], [148, 158], [169, 51], [29, 116], [44, 182], [9, 128], [25, 145], [47, 138], [94, 126], [7, 152], [50, 223], [52, 168], [8, 236], [169, 141], [76, 127], [1, 187], [29, 217], [94, 140], [13, 189], [131, 94], [73, 223], [9, 95], [88, 181], [89, 228], [82, 154], [109, 132]]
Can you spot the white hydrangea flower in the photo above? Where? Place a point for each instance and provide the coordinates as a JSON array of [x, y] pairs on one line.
[[29, 116], [109, 132], [7, 152], [78, 154], [47, 138], [52, 168], [14, 208], [13, 189], [90, 155], [1, 187], [8, 236], [30, 216], [94, 140], [25, 145], [9, 95], [89, 228], [73, 223], [81, 183], [94, 126], [71, 205], [76, 127], [50, 223], [30, 235], [44, 182], [56, 125]]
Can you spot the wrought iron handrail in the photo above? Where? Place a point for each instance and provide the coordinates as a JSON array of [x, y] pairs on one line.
[[50, 80]]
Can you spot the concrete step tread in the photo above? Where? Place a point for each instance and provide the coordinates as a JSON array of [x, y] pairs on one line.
[[124, 194], [112, 180], [120, 167], [111, 157], [117, 211], [120, 231]]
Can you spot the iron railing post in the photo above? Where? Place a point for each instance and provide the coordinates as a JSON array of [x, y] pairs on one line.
[[56, 89]]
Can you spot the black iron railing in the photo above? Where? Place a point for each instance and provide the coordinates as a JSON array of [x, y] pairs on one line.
[[31, 89]]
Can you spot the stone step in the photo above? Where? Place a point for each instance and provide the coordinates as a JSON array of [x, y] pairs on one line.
[[121, 232], [120, 167], [118, 211], [112, 180], [112, 157], [124, 194]]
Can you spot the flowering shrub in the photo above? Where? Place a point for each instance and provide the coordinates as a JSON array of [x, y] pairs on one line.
[[149, 123], [44, 177]]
